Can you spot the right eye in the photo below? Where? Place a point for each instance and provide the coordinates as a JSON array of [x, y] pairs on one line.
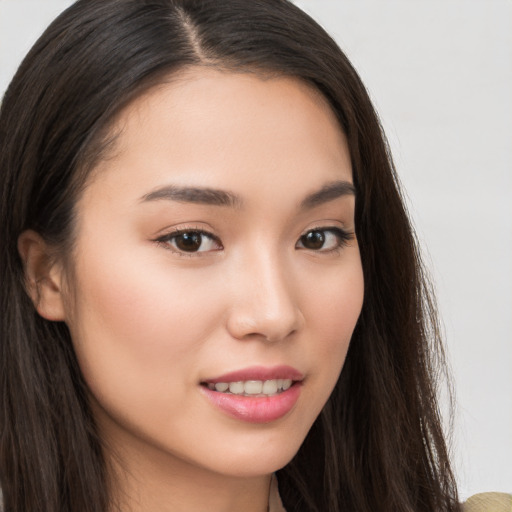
[[191, 241]]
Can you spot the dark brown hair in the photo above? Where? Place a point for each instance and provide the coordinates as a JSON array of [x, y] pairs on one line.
[[378, 444]]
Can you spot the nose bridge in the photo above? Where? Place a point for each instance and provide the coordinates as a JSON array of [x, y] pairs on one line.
[[265, 302]]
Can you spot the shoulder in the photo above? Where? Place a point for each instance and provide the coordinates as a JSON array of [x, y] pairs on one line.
[[489, 502]]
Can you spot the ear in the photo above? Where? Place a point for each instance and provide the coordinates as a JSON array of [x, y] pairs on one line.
[[43, 276]]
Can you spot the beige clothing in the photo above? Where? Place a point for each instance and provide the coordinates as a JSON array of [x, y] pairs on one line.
[[489, 502]]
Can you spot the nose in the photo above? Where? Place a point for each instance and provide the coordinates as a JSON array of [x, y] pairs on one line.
[[264, 301]]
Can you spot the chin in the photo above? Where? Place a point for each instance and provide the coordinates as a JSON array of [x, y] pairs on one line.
[[257, 459]]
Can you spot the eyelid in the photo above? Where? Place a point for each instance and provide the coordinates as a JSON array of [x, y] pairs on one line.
[[343, 236], [173, 233]]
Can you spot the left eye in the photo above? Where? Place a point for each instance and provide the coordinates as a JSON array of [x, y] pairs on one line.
[[192, 241], [325, 239]]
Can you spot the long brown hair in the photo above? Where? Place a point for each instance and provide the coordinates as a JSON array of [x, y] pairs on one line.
[[378, 443]]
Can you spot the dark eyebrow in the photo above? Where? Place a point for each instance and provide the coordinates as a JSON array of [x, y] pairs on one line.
[[216, 197], [198, 195], [327, 193]]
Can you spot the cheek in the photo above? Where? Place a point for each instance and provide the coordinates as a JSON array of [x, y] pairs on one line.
[[335, 302], [334, 306], [138, 304], [137, 333]]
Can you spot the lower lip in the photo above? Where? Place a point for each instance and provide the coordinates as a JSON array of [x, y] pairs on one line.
[[257, 409]]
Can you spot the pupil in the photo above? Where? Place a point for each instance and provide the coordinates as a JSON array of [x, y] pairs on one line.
[[313, 240], [189, 242]]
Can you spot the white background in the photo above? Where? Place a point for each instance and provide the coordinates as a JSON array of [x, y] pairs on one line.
[[440, 74]]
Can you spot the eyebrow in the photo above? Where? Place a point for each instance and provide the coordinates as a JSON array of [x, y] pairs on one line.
[[217, 197], [327, 193], [198, 195]]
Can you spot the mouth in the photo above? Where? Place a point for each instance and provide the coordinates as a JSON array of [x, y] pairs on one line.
[[255, 381], [257, 394], [252, 388]]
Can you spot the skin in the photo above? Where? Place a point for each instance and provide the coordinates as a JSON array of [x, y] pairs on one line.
[[149, 322]]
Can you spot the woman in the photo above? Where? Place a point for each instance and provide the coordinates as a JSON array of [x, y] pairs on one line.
[[208, 273]]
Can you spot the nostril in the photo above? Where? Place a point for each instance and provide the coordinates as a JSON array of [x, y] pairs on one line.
[[251, 324]]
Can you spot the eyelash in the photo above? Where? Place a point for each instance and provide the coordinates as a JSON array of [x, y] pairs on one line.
[[166, 240], [343, 237]]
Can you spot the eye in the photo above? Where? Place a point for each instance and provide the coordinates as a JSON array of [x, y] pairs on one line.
[[324, 239], [191, 241]]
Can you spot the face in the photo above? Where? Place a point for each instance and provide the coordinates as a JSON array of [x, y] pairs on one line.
[[216, 275]]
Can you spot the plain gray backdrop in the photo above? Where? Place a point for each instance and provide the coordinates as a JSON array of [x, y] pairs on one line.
[[440, 75]]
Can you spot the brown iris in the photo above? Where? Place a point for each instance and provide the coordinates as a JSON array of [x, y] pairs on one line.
[[313, 240], [189, 242]]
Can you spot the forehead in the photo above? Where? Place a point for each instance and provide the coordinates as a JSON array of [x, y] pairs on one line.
[[205, 125], [226, 87]]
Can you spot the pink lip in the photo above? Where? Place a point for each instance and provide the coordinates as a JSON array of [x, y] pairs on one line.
[[259, 373], [256, 409]]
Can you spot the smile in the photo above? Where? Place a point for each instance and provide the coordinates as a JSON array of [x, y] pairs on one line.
[[257, 394], [252, 387]]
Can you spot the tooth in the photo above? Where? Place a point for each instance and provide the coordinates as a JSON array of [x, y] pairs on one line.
[[237, 388], [253, 387], [287, 384], [269, 387]]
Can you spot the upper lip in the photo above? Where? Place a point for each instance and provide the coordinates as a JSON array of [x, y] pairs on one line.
[[258, 373]]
